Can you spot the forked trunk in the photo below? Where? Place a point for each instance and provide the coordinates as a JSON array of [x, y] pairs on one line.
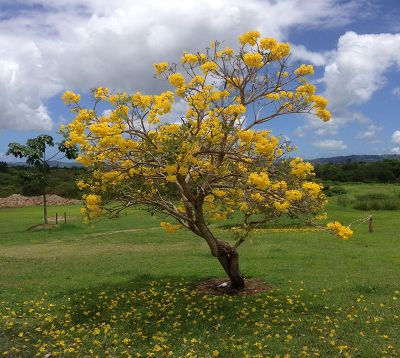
[[229, 259]]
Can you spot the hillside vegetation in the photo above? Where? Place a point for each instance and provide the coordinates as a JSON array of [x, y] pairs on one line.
[[25, 181], [62, 182], [386, 171]]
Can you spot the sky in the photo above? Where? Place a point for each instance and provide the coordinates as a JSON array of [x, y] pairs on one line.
[[50, 46]]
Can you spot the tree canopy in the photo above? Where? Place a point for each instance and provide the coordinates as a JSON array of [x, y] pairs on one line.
[[217, 160], [34, 152]]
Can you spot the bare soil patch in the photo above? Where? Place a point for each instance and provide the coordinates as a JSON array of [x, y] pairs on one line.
[[41, 227], [18, 200], [220, 286]]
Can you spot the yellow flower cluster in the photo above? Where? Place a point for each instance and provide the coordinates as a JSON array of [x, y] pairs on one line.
[[313, 189], [306, 89], [189, 58], [169, 227], [268, 43], [93, 209], [304, 70], [320, 106], [293, 195], [101, 93], [246, 136], [70, 97], [141, 101], [227, 51], [273, 96], [282, 207], [322, 216], [280, 185], [176, 80], [341, 231], [300, 168], [161, 67], [81, 184], [249, 37], [265, 144], [209, 66], [253, 60], [259, 180], [280, 51]]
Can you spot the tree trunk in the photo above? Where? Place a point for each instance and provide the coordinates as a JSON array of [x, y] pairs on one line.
[[44, 190], [229, 260], [45, 208]]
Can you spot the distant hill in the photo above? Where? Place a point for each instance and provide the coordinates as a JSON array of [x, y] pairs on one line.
[[355, 158], [52, 164], [336, 160]]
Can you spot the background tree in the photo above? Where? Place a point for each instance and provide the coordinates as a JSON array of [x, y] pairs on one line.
[[35, 153], [3, 167], [213, 164]]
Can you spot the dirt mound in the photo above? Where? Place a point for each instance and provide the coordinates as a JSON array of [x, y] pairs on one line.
[[17, 200], [218, 286]]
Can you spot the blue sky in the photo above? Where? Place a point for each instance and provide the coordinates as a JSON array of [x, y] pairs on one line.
[[47, 47]]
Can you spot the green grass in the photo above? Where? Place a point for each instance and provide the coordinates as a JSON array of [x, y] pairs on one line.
[[125, 287]]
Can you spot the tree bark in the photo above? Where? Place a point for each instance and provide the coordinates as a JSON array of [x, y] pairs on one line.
[[45, 207], [229, 260]]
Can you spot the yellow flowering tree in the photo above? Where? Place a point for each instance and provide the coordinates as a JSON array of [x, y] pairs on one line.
[[214, 162]]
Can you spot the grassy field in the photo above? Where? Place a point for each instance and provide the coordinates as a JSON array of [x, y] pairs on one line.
[[125, 288]]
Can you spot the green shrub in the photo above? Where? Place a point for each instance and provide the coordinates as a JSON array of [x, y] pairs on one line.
[[373, 196], [338, 190], [343, 200], [376, 201]]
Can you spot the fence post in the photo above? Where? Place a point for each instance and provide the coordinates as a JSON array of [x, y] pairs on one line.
[[370, 226], [65, 217], [56, 219]]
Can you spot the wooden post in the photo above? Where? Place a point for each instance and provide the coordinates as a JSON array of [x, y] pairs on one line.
[[56, 219], [370, 226], [65, 217]]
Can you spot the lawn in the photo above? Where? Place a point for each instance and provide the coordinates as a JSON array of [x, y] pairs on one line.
[[126, 288]]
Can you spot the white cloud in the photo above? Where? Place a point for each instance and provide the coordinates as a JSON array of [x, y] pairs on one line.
[[333, 125], [80, 44], [353, 73], [357, 69], [330, 144], [396, 137], [396, 91], [299, 52], [395, 150], [370, 134], [23, 83]]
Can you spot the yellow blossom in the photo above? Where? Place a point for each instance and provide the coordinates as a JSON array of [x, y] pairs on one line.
[[304, 70], [249, 38], [293, 195], [189, 58], [253, 60], [176, 80], [343, 232], [161, 67], [267, 43], [169, 227], [282, 207], [259, 180], [70, 97], [209, 66]]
